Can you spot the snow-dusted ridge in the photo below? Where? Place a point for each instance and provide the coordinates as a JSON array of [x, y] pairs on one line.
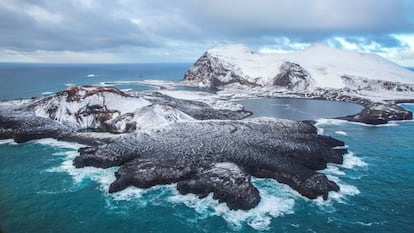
[[69, 113], [326, 66], [316, 72], [106, 109]]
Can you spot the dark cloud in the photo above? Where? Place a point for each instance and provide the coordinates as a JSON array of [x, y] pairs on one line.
[[67, 26], [108, 25]]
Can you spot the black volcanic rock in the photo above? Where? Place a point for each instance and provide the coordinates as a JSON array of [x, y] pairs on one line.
[[292, 76], [288, 151], [23, 126], [145, 173], [202, 156], [227, 182], [377, 114], [209, 72]]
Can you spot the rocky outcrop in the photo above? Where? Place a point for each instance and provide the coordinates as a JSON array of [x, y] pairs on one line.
[[376, 114], [227, 182], [208, 71], [292, 77], [193, 154], [23, 126]]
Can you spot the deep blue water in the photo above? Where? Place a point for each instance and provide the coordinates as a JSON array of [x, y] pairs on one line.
[[40, 190], [28, 80]]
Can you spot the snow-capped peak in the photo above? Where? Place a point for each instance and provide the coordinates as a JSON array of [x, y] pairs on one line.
[[325, 65]]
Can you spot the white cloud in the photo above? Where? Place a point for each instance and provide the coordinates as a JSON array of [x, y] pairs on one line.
[[42, 15], [140, 30]]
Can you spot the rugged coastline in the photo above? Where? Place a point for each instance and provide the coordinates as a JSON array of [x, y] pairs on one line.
[[159, 139], [203, 143]]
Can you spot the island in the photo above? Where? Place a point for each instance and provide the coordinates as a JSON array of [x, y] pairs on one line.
[[209, 145]]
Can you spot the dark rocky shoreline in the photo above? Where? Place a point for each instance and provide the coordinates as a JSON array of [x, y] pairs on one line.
[[192, 155], [213, 151]]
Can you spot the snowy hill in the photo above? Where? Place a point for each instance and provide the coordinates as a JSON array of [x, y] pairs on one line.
[[104, 108], [318, 66]]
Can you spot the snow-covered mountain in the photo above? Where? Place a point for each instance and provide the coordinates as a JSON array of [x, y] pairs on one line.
[[318, 66]]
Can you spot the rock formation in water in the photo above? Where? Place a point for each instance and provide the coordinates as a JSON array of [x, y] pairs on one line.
[[219, 157], [318, 72]]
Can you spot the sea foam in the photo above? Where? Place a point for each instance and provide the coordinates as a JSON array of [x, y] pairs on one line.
[[59, 144], [351, 161], [276, 200], [341, 133], [7, 141], [47, 92]]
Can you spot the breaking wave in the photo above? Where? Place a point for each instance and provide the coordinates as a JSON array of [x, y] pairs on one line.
[[277, 199]]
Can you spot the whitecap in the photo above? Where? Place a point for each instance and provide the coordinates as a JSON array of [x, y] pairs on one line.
[[70, 84], [320, 130], [333, 170], [91, 75], [104, 177], [128, 194], [276, 200], [47, 92], [6, 141], [59, 144], [104, 84], [341, 133], [351, 161], [345, 191]]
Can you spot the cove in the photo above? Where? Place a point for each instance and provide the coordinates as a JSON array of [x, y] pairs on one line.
[[299, 109]]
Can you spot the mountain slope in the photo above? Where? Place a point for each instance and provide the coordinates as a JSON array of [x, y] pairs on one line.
[[318, 66]]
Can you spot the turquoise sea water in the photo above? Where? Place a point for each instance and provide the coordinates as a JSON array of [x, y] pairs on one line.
[[40, 190]]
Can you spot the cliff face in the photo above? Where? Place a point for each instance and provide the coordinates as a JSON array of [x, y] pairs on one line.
[[315, 67], [208, 71], [211, 71]]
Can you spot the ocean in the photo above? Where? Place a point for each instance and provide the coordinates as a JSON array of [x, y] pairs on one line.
[[41, 191]]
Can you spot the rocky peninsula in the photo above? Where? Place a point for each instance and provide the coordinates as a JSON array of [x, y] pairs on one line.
[[158, 139]]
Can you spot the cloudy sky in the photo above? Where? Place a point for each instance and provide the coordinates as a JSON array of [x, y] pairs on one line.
[[116, 31]]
